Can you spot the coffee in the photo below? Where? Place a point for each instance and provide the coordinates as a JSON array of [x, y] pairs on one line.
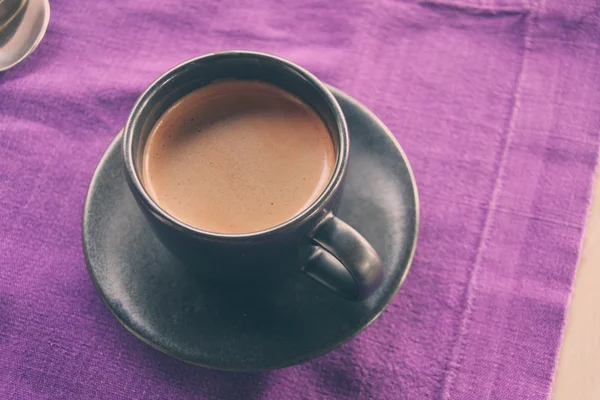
[[237, 157]]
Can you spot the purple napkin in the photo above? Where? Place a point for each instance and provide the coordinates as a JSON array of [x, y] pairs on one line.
[[496, 103]]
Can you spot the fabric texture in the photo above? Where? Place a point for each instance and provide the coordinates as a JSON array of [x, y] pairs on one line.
[[496, 103]]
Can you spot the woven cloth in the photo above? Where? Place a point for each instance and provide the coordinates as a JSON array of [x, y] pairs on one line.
[[495, 103]]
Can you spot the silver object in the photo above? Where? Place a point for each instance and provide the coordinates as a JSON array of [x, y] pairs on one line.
[[23, 24]]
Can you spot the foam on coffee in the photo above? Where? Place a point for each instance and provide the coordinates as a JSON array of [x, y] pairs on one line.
[[237, 157]]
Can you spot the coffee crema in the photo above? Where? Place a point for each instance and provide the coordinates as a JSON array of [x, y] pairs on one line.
[[237, 157]]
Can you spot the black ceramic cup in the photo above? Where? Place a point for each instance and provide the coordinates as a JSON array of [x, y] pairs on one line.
[[314, 241]]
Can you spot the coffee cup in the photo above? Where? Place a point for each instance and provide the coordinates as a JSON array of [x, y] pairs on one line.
[[310, 239]]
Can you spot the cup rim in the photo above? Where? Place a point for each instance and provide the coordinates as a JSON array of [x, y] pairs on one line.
[[166, 218]]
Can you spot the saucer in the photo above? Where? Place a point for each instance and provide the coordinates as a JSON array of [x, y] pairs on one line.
[[23, 33], [225, 327]]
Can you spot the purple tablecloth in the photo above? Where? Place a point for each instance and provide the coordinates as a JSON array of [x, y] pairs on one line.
[[495, 102]]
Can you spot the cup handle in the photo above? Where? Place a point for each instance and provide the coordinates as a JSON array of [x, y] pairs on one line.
[[342, 260]]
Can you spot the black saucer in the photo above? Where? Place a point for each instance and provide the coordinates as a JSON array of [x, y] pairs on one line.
[[221, 327]]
